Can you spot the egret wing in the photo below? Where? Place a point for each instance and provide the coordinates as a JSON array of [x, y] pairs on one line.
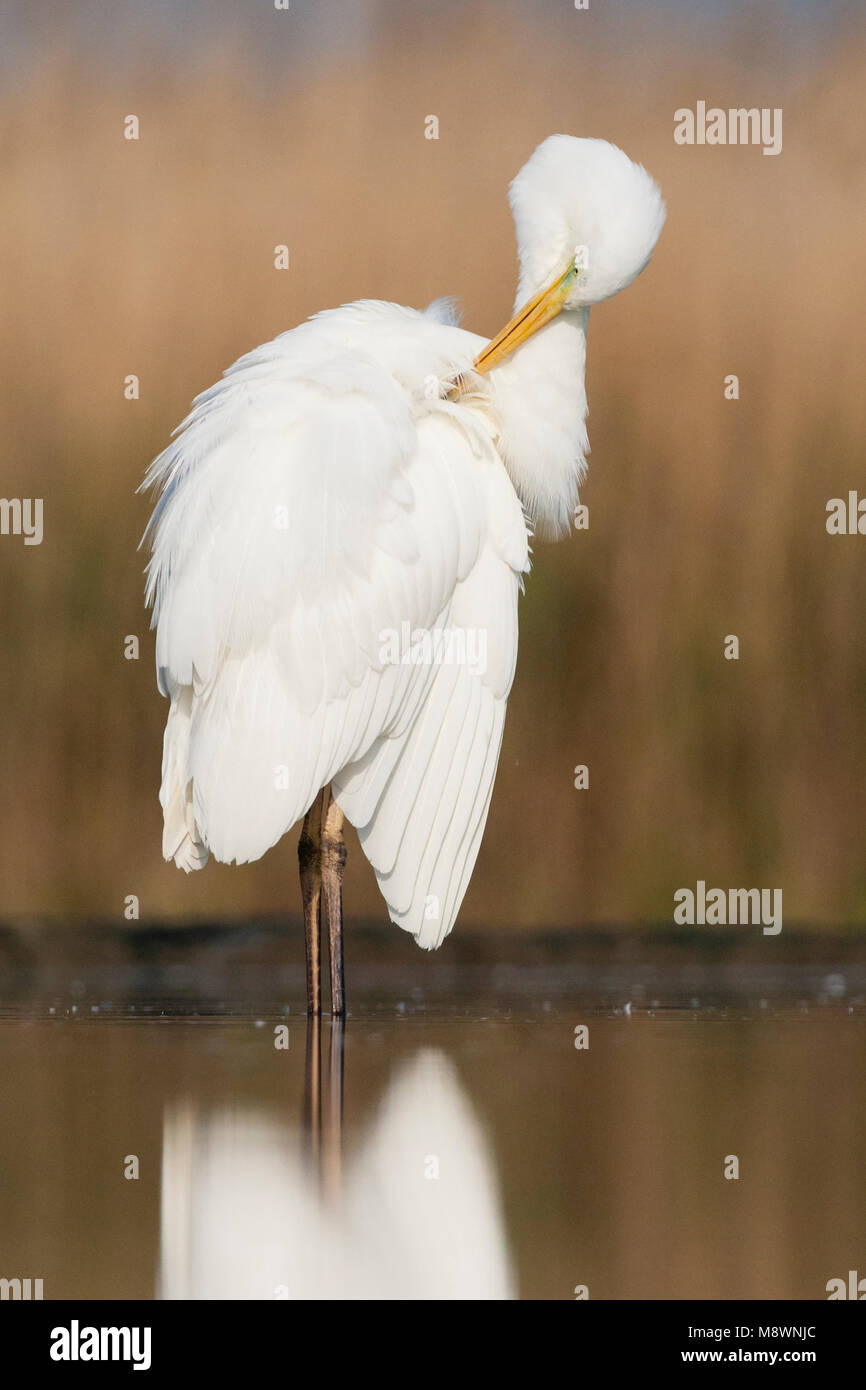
[[314, 511], [420, 796]]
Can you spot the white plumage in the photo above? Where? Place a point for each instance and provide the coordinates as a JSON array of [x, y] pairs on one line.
[[355, 480]]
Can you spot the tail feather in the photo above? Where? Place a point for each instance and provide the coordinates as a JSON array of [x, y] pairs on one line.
[[181, 839]]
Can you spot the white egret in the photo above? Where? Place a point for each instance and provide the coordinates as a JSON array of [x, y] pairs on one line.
[[338, 548]]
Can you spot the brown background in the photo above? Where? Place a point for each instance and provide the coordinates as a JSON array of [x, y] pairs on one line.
[[707, 516]]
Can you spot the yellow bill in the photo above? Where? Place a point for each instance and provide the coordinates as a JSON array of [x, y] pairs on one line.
[[539, 310]]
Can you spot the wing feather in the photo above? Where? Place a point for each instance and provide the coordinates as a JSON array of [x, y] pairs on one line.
[[420, 800], [315, 507]]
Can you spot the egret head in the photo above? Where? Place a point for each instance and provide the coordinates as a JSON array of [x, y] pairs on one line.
[[587, 220]]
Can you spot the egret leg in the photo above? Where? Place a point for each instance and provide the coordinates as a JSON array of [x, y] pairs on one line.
[[333, 863], [310, 864]]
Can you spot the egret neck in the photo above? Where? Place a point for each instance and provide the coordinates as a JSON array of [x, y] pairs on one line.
[[538, 397]]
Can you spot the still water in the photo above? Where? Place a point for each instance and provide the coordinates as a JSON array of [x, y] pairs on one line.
[[170, 1126]]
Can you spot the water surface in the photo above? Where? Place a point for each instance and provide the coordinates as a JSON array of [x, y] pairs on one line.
[[451, 1140]]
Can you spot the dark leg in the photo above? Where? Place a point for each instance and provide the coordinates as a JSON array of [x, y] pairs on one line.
[[310, 863], [333, 863]]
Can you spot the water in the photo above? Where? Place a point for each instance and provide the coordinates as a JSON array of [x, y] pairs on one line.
[[451, 1140]]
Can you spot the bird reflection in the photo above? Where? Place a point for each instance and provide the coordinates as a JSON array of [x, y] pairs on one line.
[[256, 1207]]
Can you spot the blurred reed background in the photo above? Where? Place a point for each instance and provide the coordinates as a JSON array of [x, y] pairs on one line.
[[707, 516]]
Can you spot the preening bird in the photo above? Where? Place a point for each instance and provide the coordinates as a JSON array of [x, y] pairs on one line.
[[337, 550]]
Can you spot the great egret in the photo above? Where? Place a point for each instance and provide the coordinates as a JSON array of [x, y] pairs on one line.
[[338, 547]]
